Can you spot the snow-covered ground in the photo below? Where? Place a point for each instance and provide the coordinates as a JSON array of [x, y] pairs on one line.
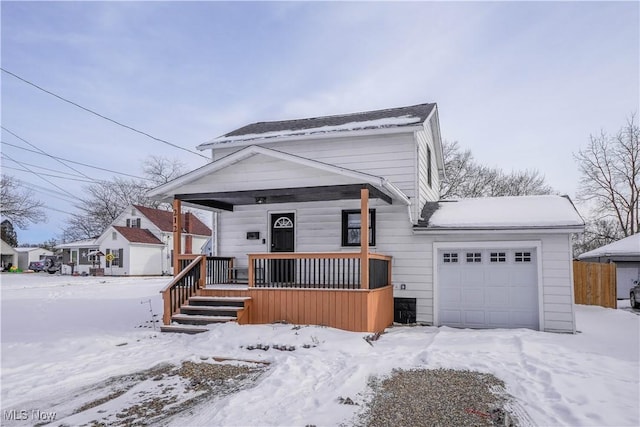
[[62, 334]]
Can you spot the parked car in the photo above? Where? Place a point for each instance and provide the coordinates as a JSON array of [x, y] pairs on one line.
[[52, 264], [36, 265], [634, 295]]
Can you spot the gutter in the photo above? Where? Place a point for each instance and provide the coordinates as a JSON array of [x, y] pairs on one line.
[[504, 230]]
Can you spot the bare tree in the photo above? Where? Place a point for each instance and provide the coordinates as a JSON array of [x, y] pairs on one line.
[[610, 181], [466, 178], [8, 233], [596, 234], [105, 201], [17, 204], [161, 170]]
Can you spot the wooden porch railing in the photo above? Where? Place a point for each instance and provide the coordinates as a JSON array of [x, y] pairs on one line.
[[317, 270], [183, 286]]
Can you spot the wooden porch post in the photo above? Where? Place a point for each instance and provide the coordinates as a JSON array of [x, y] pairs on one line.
[[364, 238], [177, 235]]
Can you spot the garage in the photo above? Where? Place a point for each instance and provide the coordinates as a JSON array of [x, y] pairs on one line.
[[495, 287]]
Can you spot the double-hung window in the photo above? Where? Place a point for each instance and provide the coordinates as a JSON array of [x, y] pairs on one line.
[[351, 227]]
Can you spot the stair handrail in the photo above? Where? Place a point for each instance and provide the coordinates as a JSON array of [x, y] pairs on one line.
[[170, 307]]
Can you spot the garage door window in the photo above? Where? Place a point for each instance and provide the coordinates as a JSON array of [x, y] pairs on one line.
[[449, 257], [498, 257], [474, 256], [522, 257]]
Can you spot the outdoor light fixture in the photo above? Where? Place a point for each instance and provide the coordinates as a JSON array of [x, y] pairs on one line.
[[261, 200]]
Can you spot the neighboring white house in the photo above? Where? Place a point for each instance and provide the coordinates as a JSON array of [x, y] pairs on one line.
[[625, 253], [294, 186], [8, 255], [28, 255], [140, 240], [144, 236], [78, 257]]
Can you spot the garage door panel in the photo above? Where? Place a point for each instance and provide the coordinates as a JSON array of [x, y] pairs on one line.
[[502, 293], [451, 317], [498, 275], [471, 297], [451, 297], [498, 319], [472, 276], [474, 317], [497, 296]]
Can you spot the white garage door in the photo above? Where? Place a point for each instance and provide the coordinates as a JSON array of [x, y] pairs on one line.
[[488, 288]]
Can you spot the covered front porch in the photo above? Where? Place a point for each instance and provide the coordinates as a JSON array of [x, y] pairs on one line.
[[345, 290], [349, 287]]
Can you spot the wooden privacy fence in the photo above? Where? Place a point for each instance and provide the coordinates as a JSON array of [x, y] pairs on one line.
[[594, 283]]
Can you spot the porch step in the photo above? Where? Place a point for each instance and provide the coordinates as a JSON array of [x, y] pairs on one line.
[[211, 310], [198, 319], [182, 329], [218, 301]]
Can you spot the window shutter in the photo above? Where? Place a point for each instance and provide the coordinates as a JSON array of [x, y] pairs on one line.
[[120, 256], [138, 222], [107, 263], [128, 223]]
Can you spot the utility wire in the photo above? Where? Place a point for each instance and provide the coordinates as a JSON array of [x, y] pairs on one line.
[[49, 192], [41, 177], [51, 175], [77, 163], [46, 154], [102, 116], [74, 176]]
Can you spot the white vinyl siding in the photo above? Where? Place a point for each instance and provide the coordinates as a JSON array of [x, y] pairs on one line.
[[391, 156], [145, 260], [426, 192]]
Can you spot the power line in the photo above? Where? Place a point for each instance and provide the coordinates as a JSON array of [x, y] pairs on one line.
[[50, 174], [49, 192], [55, 170], [42, 178], [102, 116], [45, 153], [77, 163]]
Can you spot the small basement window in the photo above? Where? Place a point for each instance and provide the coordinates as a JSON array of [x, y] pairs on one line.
[[474, 256], [498, 257], [404, 310], [522, 257], [450, 257]]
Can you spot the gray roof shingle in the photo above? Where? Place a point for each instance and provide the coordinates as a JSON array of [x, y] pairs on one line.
[[420, 111], [405, 117]]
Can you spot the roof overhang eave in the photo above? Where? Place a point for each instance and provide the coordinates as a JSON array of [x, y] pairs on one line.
[[565, 229], [239, 142]]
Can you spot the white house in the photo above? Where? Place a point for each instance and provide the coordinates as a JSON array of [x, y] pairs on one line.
[[9, 255], [28, 255], [294, 187], [625, 253], [141, 240], [78, 257]]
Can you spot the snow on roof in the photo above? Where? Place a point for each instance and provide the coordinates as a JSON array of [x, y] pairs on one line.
[[629, 246], [503, 212], [78, 244], [30, 249], [389, 118]]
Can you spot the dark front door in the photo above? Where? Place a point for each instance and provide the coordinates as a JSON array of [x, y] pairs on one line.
[[282, 240]]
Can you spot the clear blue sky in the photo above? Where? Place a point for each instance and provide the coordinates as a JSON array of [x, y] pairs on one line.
[[522, 85]]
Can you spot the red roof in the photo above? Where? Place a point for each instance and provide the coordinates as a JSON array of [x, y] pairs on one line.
[[138, 235], [164, 221]]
